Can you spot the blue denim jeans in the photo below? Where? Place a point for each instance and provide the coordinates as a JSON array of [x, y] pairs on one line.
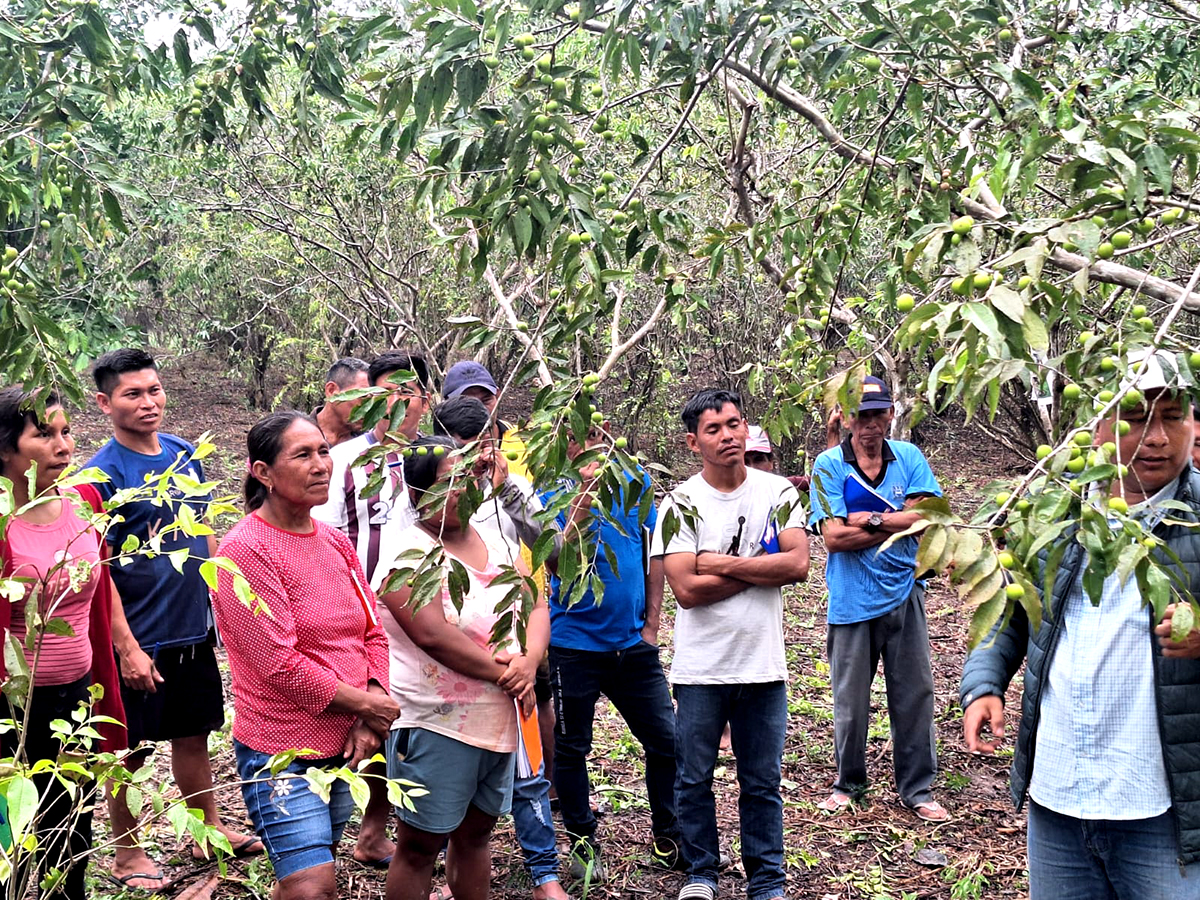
[[757, 717], [1106, 859], [535, 827]]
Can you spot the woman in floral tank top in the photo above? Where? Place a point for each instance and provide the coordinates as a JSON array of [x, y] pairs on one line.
[[456, 680]]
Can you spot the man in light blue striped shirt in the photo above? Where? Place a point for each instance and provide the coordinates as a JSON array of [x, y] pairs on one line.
[[1109, 717]]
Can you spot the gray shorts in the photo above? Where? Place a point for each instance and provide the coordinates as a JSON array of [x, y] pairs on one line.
[[457, 776]]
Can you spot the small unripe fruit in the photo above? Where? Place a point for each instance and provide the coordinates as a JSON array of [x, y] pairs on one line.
[[1123, 428], [982, 281], [1001, 498], [1122, 239], [1005, 559], [512, 455], [1014, 592], [1076, 465], [872, 63], [597, 417], [1082, 439], [1004, 34], [1071, 392], [1024, 281], [905, 303], [1043, 451], [962, 225], [621, 443], [1118, 504], [1105, 250]]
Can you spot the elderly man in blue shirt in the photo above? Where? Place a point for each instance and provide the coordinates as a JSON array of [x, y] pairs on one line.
[[862, 491], [1111, 703]]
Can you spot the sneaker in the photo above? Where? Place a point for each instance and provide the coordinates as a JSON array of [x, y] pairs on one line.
[[697, 890]]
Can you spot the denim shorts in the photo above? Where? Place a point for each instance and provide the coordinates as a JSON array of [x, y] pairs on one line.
[[457, 776], [298, 828]]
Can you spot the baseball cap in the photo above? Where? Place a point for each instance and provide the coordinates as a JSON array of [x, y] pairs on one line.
[[756, 441], [875, 395], [1154, 377], [467, 374]]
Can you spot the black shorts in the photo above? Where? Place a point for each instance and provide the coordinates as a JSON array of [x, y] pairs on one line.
[[188, 703]]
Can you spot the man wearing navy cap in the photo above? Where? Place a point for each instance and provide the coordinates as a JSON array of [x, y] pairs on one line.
[[861, 494]]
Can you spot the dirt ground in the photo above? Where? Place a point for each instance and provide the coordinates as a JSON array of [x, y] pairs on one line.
[[878, 851]]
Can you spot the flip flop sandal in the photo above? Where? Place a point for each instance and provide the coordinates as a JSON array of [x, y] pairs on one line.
[[123, 881], [835, 802], [242, 850], [931, 811], [379, 864]]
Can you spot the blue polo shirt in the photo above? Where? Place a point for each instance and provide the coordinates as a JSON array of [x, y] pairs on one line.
[[865, 584], [616, 622], [165, 607]]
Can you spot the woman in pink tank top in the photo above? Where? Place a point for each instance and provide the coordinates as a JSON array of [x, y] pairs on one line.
[[54, 553]]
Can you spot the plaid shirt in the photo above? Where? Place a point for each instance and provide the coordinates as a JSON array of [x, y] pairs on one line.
[[1099, 751]]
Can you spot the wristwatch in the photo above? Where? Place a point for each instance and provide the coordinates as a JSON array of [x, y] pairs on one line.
[[874, 521]]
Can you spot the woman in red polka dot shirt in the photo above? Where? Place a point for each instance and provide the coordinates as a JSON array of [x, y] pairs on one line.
[[309, 660]]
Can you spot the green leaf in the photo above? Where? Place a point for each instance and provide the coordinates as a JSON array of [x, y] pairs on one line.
[[183, 54], [1159, 165], [1034, 331], [1183, 621], [1009, 302], [112, 209]]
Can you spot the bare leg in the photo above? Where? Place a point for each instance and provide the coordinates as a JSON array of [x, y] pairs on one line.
[[316, 883], [129, 857], [411, 871], [193, 775], [373, 845], [469, 858]]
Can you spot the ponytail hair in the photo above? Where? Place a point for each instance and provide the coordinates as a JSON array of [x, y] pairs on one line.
[[263, 444]]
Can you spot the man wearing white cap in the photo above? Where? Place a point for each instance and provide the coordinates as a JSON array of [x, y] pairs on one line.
[[861, 493], [1111, 703]]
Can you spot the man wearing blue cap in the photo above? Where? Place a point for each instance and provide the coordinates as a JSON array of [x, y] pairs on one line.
[[861, 494]]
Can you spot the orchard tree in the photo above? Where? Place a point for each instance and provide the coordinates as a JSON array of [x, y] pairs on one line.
[[963, 197]]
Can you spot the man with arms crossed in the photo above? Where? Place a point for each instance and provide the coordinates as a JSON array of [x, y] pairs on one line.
[[171, 686], [1111, 703], [861, 492], [364, 519], [730, 538]]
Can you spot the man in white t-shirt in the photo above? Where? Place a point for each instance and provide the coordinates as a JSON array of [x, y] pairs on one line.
[[730, 538], [373, 522]]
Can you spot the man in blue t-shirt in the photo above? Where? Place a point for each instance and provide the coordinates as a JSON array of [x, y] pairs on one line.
[[861, 494], [611, 648], [171, 686]]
